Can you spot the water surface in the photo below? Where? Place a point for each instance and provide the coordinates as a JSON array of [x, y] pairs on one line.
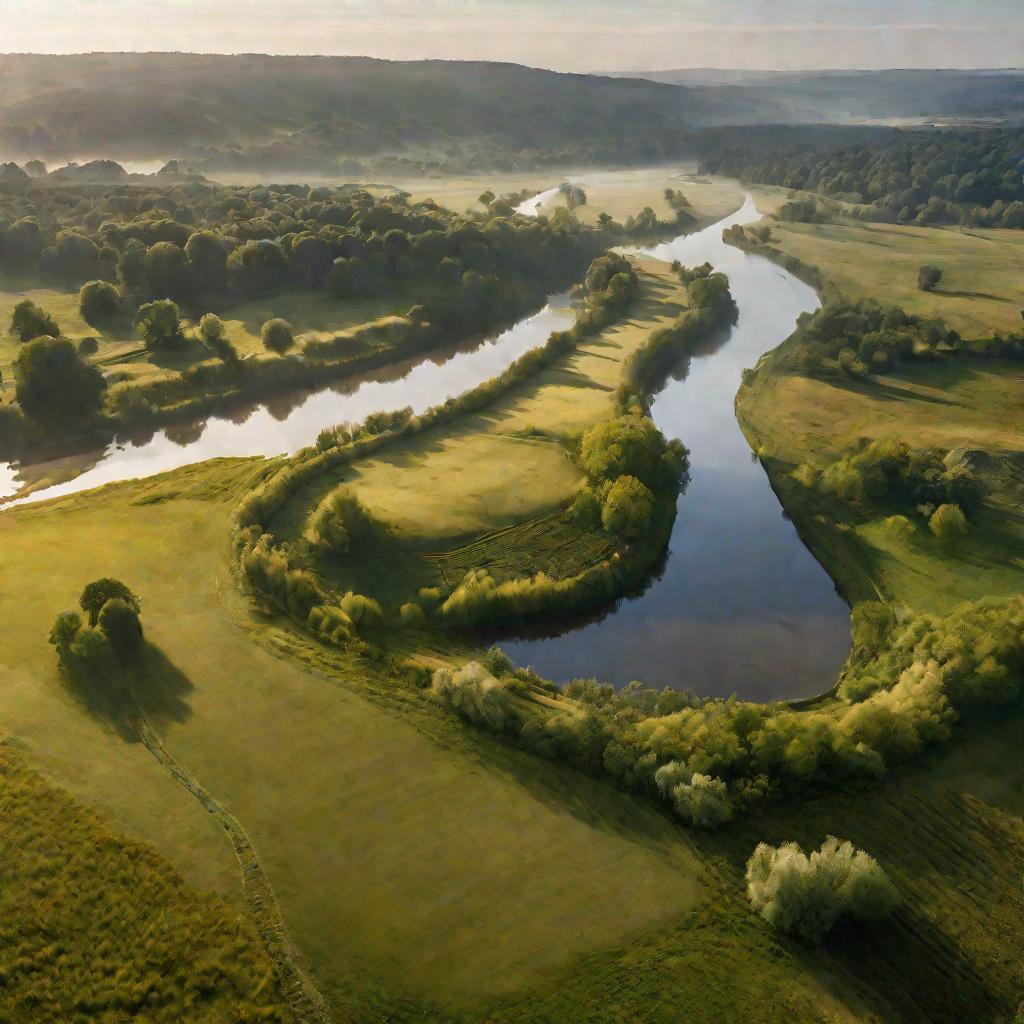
[[738, 604]]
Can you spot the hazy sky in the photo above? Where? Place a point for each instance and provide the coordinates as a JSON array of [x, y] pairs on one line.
[[574, 35]]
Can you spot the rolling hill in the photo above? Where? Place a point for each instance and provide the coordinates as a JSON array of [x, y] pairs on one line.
[[271, 112]]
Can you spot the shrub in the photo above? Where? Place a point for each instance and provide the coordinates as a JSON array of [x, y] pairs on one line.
[[341, 519], [474, 694], [703, 801], [90, 646], [360, 609], [88, 346], [948, 523], [805, 896], [28, 321], [586, 509], [98, 300], [412, 615], [277, 335], [213, 335], [628, 507], [899, 527]]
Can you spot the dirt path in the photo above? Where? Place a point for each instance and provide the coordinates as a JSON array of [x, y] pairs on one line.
[[305, 1001]]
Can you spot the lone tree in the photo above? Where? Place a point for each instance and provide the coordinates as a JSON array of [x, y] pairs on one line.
[[99, 592], [159, 323], [98, 300], [54, 385], [928, 278], [213, 334], [28, 321], [277, 335]]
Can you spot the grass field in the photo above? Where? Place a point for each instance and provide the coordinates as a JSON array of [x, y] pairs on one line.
[[395, 824], [982, 288], [505, 464], [311, 312], [61, 960], [423, 869], [619, 193], [975, 405]]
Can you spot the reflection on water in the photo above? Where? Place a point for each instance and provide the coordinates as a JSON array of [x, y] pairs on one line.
[[738, 604], [292, 420]]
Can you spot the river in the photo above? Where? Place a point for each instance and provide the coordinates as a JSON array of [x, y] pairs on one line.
[[737, 604]]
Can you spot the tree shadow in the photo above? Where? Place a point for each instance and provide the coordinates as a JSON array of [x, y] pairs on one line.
[[951, 294], [116, 691]]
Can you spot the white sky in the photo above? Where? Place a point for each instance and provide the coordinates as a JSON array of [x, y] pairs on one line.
[[572, 35]]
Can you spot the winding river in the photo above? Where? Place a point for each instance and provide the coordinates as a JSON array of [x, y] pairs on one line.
[[737, 604]]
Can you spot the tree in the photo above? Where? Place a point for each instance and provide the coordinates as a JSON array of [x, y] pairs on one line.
[[486, 198], [166, 271], [64, 631], [207, 261], [159, 323], [277, 335], [54, 385], [100, 591], [213, 335], [341, 519], [948, 523], [627, 508], [29, 321], [805, 896], [120, 622], [928, 278], [98, 300]]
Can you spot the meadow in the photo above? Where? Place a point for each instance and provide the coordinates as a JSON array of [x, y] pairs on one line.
[[972, 406], [428, 871], [981, 289], [472, 881]]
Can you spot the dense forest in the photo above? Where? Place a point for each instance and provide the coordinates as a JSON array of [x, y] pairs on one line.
[[905, 177], [167, 258], [344, 115]]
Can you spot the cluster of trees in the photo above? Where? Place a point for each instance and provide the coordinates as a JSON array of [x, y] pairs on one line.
[[970, 177], [201, 244], [632, 469], [711, 309], [341, 520], [889, 469], [865, 336], [194, 246], [113, 627], [906, 687], [806, 896]]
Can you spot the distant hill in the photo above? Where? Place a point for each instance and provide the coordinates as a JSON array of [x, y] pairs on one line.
[[311, 112], [848, 96]]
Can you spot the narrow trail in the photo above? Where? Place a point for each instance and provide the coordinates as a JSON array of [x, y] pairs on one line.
[[303, 997]]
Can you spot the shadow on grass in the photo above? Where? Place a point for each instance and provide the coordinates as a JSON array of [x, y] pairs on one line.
[[114, 692]]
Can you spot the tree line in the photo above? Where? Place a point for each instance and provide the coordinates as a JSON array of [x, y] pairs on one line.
[[970, 177]]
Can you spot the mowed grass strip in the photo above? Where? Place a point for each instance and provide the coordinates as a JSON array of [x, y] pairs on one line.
[[510, 462], [408, 854]]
